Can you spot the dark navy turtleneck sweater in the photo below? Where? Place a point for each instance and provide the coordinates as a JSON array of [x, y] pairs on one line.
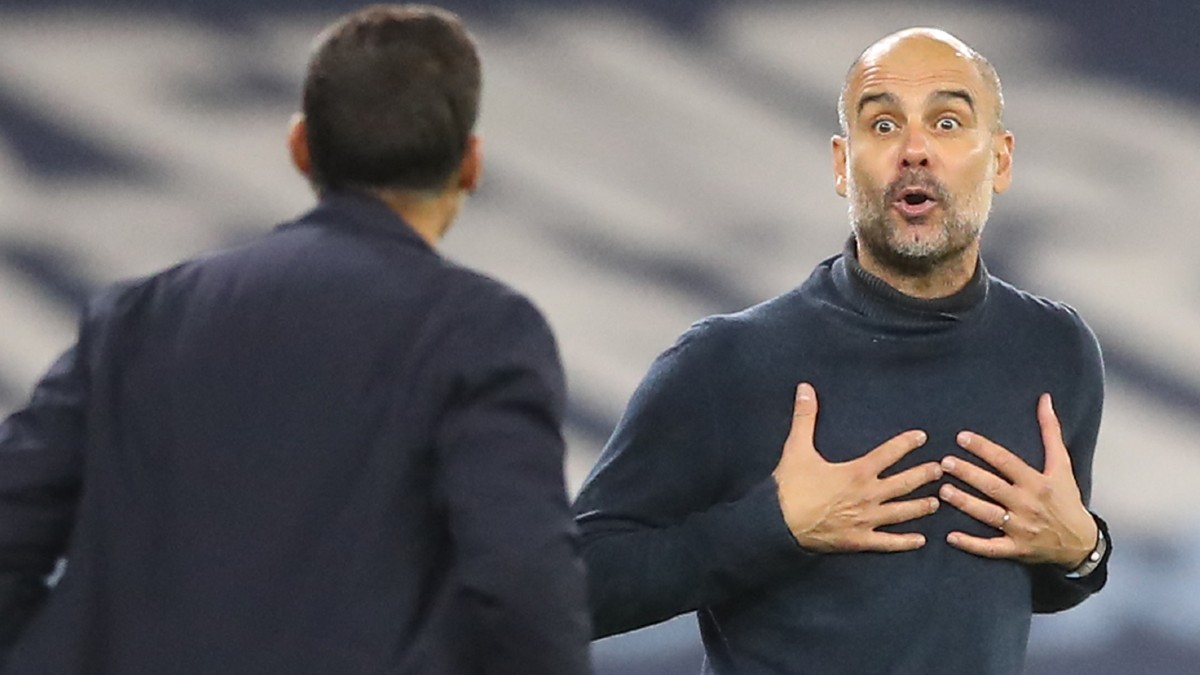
[[681, 512]]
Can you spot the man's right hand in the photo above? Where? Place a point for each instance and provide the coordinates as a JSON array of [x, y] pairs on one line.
[[831, 507]]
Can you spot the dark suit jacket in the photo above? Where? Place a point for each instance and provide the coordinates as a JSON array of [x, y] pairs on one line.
[[329, 451]]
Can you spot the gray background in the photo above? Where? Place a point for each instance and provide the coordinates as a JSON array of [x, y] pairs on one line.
[[649, 163]]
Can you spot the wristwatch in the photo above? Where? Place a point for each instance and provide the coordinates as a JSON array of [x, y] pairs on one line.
[[1092, 561]]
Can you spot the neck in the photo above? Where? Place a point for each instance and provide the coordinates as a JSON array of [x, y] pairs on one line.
[[943, 279], [429, 214]]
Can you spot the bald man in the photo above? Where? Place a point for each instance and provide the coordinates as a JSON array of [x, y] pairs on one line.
[[940, 496]]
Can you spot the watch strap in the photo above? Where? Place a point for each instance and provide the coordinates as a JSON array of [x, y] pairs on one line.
[[1098, 555]]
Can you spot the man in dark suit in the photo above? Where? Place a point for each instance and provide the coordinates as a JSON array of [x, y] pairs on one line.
[[328, 451]]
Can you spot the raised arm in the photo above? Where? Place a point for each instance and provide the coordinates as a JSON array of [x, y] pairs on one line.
[[1043, 515], [662, 538]]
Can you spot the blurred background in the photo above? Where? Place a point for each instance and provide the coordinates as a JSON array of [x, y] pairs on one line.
[[650, 162]]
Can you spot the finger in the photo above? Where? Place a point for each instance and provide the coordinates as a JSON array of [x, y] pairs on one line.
[[804, 418], [1057, 457], [902, 512], [893, 449], [994, 547], [888, 542], [1009, 465], [984, 511], [909, 480], [995, 487]]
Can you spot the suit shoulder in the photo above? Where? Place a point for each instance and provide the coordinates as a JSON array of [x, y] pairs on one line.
[[121, 296], [488, 299]]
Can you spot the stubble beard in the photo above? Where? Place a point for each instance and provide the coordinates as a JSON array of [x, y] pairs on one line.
[[878, 228]]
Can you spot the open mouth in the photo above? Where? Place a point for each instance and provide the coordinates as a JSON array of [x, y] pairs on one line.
[[915, 202]]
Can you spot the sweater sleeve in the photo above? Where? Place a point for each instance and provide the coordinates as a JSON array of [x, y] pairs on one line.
[[500, 457], [659, 536], [1053, 589]]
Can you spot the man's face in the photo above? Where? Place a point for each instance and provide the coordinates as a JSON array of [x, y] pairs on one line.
[[923, 156]]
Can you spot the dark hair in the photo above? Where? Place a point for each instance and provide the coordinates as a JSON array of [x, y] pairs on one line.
[[390, 99]]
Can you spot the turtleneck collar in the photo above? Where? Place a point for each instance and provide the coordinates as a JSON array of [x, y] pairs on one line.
[[874, 297]]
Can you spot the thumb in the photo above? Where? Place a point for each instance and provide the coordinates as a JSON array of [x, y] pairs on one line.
[[804, 419], [1057, 457]]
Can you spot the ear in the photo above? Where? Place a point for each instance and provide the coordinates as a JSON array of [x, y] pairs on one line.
[[1004, 157], [470, 171], [840, 148], [298, 145]]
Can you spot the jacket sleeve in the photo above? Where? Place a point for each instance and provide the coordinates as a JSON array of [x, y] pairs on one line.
[[1053, 589], [40, 467], [663, 533], [500, 454]]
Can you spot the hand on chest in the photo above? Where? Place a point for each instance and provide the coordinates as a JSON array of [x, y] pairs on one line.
[[863, 407]]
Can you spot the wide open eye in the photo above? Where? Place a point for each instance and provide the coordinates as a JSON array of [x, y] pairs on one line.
[[948, 124], [884, 126]]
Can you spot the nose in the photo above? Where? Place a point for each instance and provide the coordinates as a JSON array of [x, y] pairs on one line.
[[915, 152]]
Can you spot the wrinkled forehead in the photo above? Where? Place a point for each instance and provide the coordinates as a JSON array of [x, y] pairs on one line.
[[916, 64]]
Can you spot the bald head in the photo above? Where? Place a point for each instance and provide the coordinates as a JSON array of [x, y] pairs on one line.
[[916, 45]]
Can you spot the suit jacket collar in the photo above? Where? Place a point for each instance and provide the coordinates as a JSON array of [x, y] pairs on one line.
[[360, 212]]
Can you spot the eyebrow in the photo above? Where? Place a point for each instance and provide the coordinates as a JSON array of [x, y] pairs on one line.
[[888, 98], [951, 94], [881, 97]]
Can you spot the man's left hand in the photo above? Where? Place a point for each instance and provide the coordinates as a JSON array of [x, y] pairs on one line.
[[1041, 514]]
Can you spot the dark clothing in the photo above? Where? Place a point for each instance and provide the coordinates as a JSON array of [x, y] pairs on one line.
[[681, 512], [329, 451]]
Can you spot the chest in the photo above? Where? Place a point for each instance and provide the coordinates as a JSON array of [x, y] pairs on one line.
[[871, 390]]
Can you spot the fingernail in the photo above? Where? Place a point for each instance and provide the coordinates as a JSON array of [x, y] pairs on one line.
[[952, 537], [946, 492], [922, 437], [934, 504], [804, 391], [948, 463], [1050, 402], [937, 471], [964, 437]]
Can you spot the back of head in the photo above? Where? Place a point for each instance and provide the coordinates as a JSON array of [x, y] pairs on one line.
[[390, 99]]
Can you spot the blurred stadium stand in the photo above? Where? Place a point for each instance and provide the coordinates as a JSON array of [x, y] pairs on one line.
[[651, 162]]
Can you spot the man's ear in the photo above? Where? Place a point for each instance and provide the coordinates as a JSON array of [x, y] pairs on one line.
[[1004, 158], [470, 171], [298, 145], [840, 148]]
